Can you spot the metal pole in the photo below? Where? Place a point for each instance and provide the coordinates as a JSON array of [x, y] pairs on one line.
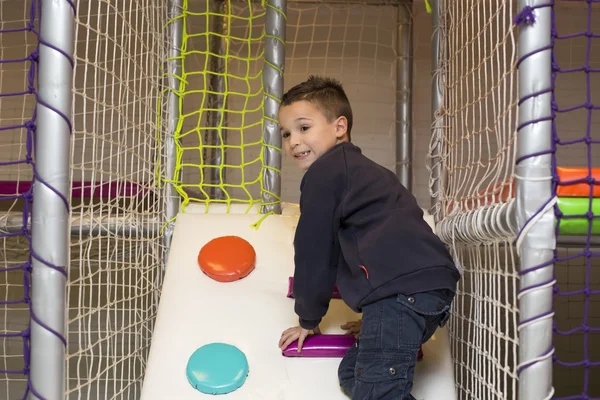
[[404, 76], [50, 213], [86, 224], [437, 170], [533, 191], [172, 198], [273, 86], [216, 136]]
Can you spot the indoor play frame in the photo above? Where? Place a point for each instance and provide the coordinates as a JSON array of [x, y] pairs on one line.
[[131, 129]]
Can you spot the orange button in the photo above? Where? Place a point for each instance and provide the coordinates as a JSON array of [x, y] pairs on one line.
[[227, 258]]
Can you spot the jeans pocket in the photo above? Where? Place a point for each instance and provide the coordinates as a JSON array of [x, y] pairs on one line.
[[434, 311], [379, 366], [381, 375], [425, 304]]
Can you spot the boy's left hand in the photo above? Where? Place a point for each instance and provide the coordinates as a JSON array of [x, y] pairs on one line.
[[295, 333]]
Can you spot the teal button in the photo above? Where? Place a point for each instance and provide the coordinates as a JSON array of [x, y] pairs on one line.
[[217, 368]]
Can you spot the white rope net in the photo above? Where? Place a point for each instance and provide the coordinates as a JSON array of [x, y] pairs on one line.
[[474, 143], [354, 42], [476, 123], [115, 277]]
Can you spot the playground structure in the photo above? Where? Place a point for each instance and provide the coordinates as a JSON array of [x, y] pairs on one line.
[[251, 313], [133, 113]]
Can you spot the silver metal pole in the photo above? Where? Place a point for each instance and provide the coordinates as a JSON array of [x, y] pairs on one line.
[[404, 76], [50, 213], [216, 118], [533, 191], [87, 224], [437, 171], [273, 86], [172, 198]]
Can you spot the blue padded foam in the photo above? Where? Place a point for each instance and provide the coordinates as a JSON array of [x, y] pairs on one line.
[[217, 368]]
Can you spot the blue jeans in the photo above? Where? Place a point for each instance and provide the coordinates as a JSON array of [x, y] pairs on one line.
[[381, 365]]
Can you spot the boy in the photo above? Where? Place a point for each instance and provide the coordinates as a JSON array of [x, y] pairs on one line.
[[360, 228]]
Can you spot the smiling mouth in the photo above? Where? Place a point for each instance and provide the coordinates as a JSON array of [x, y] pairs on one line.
[[302, 156]]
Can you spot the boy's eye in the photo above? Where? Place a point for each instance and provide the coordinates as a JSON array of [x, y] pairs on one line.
[[304, 128], [285, 135]]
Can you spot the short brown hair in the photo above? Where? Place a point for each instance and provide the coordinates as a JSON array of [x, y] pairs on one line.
[[324, 93]]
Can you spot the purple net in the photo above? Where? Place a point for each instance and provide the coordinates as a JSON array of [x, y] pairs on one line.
[[576, 121], [18, 60]]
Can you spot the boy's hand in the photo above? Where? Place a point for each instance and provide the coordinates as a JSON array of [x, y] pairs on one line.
[[352, 328], [295, 333]]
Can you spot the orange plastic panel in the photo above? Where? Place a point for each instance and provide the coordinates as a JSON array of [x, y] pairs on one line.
[[499, 192], [582, 189], [227, 258]]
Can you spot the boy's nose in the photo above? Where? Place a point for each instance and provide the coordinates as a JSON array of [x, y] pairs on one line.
[[294, 140]]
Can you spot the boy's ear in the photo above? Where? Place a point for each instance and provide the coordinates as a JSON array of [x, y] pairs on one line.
[[341, 127]]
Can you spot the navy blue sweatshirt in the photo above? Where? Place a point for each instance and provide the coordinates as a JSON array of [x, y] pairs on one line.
[[360, 228]]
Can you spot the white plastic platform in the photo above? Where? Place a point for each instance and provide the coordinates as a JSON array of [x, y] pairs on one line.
[[251, 313]]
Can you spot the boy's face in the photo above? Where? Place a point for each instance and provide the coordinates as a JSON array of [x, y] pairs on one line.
[[307, 134]]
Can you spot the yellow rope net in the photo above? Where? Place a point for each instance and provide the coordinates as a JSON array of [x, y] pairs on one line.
[[219, 135]]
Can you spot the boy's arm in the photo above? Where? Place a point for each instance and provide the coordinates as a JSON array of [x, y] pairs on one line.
[[315, 270]]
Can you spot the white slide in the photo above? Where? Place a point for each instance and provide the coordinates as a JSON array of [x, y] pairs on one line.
[[251, 313]]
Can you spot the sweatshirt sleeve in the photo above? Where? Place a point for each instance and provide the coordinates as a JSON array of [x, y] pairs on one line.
[[315, 267]]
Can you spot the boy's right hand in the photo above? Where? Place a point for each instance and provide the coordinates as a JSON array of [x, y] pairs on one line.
[[352, 328]]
